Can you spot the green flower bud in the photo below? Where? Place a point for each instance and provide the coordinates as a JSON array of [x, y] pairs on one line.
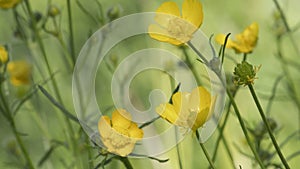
[[53, 11], [114, 12], [244, 73]]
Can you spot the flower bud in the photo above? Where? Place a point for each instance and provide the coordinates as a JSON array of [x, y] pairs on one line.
[[53, 11], [244, 73]]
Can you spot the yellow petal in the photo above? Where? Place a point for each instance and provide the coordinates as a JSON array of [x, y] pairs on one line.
[[220, 38], [135, 132], [166, 12], [192, 12], [201, 118], [180, 101], [169, 8], [121, 119], [20, 72], [104, 126], [203, 94], [3, 55], [167, 112], [158, 33], [5, 4]]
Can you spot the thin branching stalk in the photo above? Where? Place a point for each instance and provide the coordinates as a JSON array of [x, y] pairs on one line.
[[205, 152], [236, 110], [262, 114], [71, 136], [16, 133], [244, 128], [126, 162], [72, 46]]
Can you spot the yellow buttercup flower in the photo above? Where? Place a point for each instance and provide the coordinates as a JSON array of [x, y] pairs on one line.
[[173, 27], [119, 134], [20, 72], [6, 4], [3, 55], [188, 110], [245, 41]]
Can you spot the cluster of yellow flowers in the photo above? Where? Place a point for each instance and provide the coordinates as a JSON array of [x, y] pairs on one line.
[[188, 110], [19, 71]]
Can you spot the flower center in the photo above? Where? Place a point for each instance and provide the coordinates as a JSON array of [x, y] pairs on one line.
[[180, 29]]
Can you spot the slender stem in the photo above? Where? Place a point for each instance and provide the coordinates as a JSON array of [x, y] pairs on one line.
[[72, 51], [126, 162], [287, 27], [40, 42], [205, 151], [191, 65], [282, 158], [13, 126], [243, 126], [236, 110], [221, 136], [20, 142]]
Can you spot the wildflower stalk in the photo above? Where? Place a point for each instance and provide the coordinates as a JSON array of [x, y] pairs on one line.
[[191, 65], [243, 126], [42, 47], [221, 131], [126, 162], [72, 49], [282, 158], [9, 117], [236, 110], [287, 27], [205, 151]]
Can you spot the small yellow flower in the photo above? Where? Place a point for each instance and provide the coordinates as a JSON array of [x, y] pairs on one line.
[[20, 72], [188, 110], [245, 41], [6, 4], [3, 55], [173, 27], [119, 134]]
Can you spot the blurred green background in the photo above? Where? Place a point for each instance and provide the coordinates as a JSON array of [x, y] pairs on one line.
[[36, 119]]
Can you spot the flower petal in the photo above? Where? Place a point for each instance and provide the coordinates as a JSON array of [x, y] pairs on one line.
[[166, 12], [192, 11], [167, 112], [135, 132], [201, 118], [158, 33], [203, 94], [220, 38], [104, 126], [121, 119]]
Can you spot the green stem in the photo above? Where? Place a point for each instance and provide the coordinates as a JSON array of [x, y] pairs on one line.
[[287, 27], [282, 158], [191, 65], [126, 162], [205, 152], [40, 42], [236, 110], [72, 51], [243, 126], [13, 126], [20, 142], [221, 136]]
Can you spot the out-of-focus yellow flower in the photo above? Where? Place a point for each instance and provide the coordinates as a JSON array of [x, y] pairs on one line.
[[20, 72], [188, 110], [173, 27], [245, 41], [3, 55], [119, 134], [6, 4]]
